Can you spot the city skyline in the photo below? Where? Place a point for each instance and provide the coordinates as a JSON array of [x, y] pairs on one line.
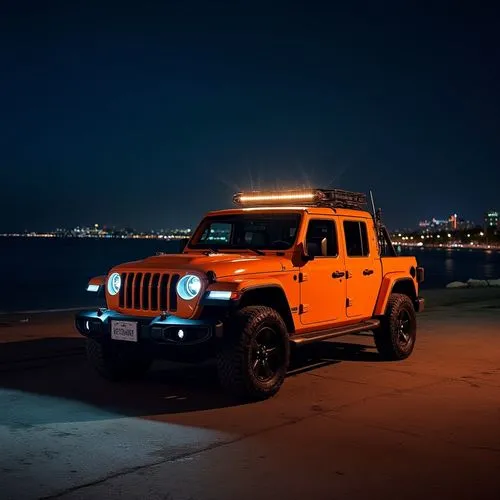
[[420, 222], [102, 230], [152, 120], [453, 222]]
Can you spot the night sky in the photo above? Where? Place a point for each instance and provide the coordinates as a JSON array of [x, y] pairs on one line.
[[150, 115]]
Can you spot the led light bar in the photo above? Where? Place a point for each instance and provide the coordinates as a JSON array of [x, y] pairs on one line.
[[274, 197], [334, 198]]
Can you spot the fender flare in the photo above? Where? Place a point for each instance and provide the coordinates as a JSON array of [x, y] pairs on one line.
[[283, 308], [388, 283], [97, 285], [98, 280], [244, 286], [255, 286]]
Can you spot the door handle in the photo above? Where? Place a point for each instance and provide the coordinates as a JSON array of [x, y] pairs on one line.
[[338, 274], [367, 272]]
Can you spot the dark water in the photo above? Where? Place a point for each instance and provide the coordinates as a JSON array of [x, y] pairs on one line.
[[45, 273], [443, 265], [51, 274]]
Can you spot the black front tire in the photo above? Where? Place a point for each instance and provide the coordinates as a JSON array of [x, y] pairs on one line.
[[253, 357], [395, 339], [117, 361]]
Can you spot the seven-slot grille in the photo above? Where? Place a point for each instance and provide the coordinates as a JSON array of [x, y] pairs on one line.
[[149, 291]]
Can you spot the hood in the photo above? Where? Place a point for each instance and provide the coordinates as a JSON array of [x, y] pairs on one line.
[[221, 264]]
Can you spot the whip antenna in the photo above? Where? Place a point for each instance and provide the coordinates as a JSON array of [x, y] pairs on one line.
[[373, 204]]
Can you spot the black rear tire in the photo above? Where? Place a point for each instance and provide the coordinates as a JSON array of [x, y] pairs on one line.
[[395, 339], [253, 357], [117, 361]]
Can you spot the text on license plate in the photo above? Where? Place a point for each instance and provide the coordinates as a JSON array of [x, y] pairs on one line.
[[124, 330]]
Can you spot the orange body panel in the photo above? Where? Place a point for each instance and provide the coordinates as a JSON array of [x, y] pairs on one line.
[[233, 271], [394, 269], [362, 288], [316, 297], [322, 297], [98, 280]]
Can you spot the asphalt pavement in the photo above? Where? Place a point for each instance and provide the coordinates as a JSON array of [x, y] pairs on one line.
[[344, 425]]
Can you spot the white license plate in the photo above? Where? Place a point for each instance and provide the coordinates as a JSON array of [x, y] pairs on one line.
[[124, 330]]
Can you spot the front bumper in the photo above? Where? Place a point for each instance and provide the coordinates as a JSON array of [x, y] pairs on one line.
[[155, 331]]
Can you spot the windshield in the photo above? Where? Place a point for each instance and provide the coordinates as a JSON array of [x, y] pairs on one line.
[[247, 231]]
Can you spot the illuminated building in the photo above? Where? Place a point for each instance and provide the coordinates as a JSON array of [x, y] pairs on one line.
[[434, 223], [491, 220], [453, 222]]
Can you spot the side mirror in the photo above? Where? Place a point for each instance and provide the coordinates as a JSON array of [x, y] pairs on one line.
[[304, 254]]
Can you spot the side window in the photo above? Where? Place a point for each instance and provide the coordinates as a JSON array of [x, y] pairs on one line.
[[356, 238], [321, 239]]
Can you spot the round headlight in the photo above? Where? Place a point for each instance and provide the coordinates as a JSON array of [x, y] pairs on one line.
[[189, 287], [114, 284]]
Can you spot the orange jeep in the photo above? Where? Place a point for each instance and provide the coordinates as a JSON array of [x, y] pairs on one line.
[[280, 269]]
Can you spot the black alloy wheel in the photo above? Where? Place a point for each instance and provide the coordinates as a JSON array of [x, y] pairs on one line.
[[267, 354], [253, 356], [403, 327], [396, 336]]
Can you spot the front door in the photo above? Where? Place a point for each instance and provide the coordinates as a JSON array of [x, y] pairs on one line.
[[322, 284], [362, 262]]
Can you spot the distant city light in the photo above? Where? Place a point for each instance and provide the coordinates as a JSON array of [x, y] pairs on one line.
[[101, 231]]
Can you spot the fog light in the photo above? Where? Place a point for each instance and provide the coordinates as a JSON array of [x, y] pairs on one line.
[[180, 334], [87, 326]]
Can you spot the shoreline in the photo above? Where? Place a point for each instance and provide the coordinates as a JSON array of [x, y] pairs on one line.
[[440, 246], [35, 339], [45, 311], [435, 297]]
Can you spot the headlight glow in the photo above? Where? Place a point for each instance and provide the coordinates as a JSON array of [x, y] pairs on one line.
[[114, 284], [189, 287]]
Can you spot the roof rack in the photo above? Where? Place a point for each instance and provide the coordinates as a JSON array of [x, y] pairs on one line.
[[333, 198], [338, 198]]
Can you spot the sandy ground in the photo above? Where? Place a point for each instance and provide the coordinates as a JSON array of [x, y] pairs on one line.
[[343, 425]]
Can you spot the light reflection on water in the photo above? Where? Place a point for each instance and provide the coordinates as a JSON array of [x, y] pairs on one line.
[[443, 265], [490, 269], [449, 264]]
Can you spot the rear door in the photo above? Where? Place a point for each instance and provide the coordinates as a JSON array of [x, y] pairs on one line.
[[363, 267]]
